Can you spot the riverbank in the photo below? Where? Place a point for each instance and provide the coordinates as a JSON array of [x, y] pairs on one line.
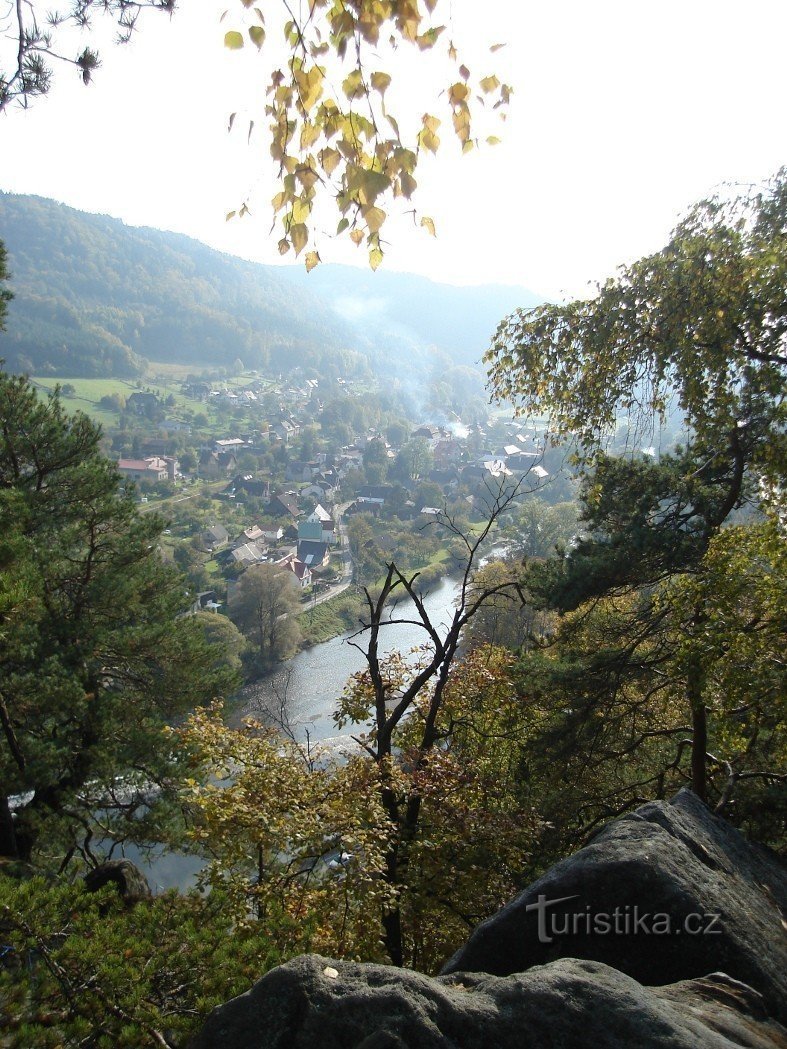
[[331, 618]]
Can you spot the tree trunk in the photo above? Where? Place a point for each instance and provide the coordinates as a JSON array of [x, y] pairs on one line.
[[9, 848], [699, 725]]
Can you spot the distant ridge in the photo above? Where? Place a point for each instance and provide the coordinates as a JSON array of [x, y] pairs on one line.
[[95, 297]]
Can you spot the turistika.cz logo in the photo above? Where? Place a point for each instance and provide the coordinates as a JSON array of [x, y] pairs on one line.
[[622, 921]]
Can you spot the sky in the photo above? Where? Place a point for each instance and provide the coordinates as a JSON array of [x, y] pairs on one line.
[[624, 113]]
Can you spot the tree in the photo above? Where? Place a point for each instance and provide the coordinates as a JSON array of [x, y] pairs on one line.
[[703, 321], [332, 126], [5, 294], [93, 659], [415, 459], [224, 638], [384, 695], [86, 968], [265, 607], [36, 34]]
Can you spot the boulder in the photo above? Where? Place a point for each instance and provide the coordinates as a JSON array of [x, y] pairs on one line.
[[128, 879], [613, 947], [570, 1004], [666, 893]]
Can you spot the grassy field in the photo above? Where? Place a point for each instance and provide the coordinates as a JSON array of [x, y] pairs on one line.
[[88, 392], [331, 618]]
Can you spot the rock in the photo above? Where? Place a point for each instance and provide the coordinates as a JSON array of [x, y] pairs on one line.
[[131, 883], [674, 859], [569, 1004]]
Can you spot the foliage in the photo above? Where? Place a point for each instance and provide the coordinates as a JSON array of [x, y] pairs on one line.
[[82, 969], [36, 34], [332, 129], [225, 640], [331, 618], [264, 607], [94, 660], [289, 833], [504, 620], [300, 833], [704, 318], [665, 668], [5, 294], [463, 831]]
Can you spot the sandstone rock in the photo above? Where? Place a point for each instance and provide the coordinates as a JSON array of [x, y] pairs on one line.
[[669, 858], [131, 883], [568, 1004]]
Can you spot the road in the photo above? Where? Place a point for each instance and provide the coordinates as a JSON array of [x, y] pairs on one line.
[[346, 579]]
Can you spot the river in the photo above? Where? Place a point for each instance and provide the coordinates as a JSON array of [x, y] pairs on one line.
[[312, 683]]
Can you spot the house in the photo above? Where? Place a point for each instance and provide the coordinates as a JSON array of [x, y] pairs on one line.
[[143, 404], [214, 464], [322, 524], [315, 555], [247, 554], [249, 535], [272, 535], [522, 462], [151, 469], [228, 444], [284, 506], [310, 530], [215, 537], [301, 573], [197, 391], [374, 493], [285, 430], [297, 471], [247, 484], [207, 601]]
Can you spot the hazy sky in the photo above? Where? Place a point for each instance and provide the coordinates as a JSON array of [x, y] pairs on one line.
[[624, 113]]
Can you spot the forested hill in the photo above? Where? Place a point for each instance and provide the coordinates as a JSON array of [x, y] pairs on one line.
[[93, 296], [96, 297]]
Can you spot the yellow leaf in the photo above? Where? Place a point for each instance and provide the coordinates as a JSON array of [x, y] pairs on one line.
[[374, 218], [467, 146], [408, 184], [257, 35], [353, 85], [457, 93], [493, 140], [380, 82], [284, 246], [229, 215], [233, 40], [312, 259], [489, 83], [356, 236], [329, 159], [299, 235], [375, 258], [428, 225]]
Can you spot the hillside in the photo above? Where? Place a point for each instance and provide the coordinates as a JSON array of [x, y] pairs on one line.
[[94, 297]]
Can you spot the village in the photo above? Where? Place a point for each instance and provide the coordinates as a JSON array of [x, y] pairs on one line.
[[322, 480]]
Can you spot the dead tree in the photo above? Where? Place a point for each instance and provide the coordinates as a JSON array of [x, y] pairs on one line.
[[429, 680]]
